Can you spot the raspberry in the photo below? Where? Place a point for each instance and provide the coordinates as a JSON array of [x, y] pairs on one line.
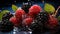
[[14, 21], [52, 22], [19, 13], [28, 21], [34, 10]]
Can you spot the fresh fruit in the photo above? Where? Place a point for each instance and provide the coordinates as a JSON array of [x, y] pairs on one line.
[[19, 13], [2, 13], [49, 8], [6, 26], [26, 7], [14, 21], [42, 17], [34, 10], [28, 21], [14, 8], [7, 16], [52, 22], [36, 28], [39, 25]]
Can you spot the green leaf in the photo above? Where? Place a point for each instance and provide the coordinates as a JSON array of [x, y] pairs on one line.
[[14, 7], [0, 16], [49, 8], [2, 13], [59, 18]]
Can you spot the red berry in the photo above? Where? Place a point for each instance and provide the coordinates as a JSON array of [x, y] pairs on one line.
[[28, 21], [52, 21], [19, 13], [14, 21], [34, 10]]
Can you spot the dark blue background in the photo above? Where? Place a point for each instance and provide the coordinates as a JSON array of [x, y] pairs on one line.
[[7, 3]]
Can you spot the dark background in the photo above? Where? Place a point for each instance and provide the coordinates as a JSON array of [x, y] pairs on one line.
[[7, 3]]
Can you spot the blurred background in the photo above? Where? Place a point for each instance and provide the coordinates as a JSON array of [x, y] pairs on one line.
[[7, 3]]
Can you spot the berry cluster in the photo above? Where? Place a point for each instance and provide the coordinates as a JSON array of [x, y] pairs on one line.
[[29, 17], [22, 19], [5, 24]]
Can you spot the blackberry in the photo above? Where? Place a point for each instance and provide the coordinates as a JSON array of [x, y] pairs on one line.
[[39, 25], [6, 26], [36, 29], [42, 17], [7, 16], [26, 6]]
